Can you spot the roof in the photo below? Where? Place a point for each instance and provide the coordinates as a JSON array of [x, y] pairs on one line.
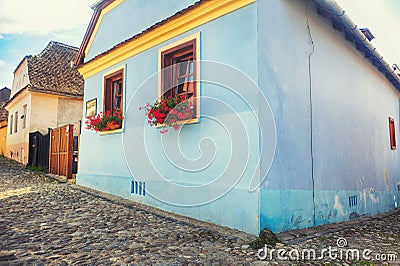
[[98, 7], [51, 71], [4, 97], [359, 38], [323, 8], [5, 94], [3, 111]]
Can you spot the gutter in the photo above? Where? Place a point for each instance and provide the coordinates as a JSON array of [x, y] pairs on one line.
[[337, 12]]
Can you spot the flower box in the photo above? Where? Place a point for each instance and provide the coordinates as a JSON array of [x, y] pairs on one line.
[[107, 121], [169, 111]]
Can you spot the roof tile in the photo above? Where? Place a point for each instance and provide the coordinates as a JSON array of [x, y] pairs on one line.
[[3, 111], [51, 71]]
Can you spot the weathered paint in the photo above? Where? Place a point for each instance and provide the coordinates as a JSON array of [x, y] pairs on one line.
[[292, 209], [332, 123]]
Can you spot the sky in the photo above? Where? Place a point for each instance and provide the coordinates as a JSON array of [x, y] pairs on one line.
[[27, 26]]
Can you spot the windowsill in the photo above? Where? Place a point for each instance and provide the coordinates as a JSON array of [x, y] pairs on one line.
[[110, 132]]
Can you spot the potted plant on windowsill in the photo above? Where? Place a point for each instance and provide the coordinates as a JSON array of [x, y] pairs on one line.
[[169, 111], [105, 121]]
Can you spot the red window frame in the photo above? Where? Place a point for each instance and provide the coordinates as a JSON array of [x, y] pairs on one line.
[[114, 92], [179, 73], [392, 132]]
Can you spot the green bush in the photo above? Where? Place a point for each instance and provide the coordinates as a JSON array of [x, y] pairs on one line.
[[36, 168]]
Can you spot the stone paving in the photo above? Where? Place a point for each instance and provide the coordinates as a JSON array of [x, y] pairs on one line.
[[46, 222]]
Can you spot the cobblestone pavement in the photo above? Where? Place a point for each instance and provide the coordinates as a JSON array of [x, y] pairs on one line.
[[45, 222]]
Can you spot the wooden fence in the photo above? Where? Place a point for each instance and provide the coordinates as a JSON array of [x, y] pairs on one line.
[[61, 151]]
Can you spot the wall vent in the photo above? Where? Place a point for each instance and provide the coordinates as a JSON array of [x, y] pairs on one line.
[[353, 201], [138, 188]]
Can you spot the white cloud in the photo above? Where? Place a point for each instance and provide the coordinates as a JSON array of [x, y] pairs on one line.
[[42, 16], [2, 64]]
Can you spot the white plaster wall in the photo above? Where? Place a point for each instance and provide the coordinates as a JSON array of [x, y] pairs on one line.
[[22, 134], [70, 112], [18, 140], [21, 77], [44, 112]]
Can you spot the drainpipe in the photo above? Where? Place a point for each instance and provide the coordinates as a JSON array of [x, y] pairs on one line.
[[333, 7]]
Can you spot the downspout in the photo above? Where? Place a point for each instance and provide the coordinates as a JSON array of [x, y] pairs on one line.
[[333, 7]]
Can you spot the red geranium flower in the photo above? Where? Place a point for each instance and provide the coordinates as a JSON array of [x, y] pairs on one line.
[[168, 111]]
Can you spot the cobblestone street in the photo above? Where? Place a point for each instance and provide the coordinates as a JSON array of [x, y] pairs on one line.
[[46, 222]]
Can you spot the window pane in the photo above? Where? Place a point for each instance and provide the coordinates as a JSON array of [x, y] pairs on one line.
[[392, 134], [178, 72], [113, 92], [16, 122]]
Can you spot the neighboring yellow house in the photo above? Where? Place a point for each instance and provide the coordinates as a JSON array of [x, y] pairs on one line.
[[3, 137], [4, 97], [47, 93]]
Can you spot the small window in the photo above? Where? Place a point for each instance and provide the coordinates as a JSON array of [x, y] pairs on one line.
[[23, 117], [16, 122], [113, 97], [392, 134], [180, 72], [113, 92], [11, 124]]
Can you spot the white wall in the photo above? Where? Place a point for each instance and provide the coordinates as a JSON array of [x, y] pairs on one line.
[[21, 78], [69, 112]]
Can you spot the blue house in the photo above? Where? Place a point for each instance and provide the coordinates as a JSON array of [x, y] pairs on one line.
[[293, 113]]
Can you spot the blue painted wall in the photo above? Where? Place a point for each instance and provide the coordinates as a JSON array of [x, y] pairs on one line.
[[333, 147], [333, 159], [103, 165], [130, 18]]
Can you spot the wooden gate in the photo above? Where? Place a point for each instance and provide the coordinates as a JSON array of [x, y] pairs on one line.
[[61, 150], [39, 150]]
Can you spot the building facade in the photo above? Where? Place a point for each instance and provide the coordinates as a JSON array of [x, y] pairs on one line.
[[47, 93], [4, 97], [293, 118]]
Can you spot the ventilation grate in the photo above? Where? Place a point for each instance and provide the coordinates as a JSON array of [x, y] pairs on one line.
[[138, 188], [353, 201]]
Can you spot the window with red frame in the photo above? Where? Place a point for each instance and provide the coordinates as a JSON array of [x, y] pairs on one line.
[[113, 92], [178, 76], [392, 131]]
